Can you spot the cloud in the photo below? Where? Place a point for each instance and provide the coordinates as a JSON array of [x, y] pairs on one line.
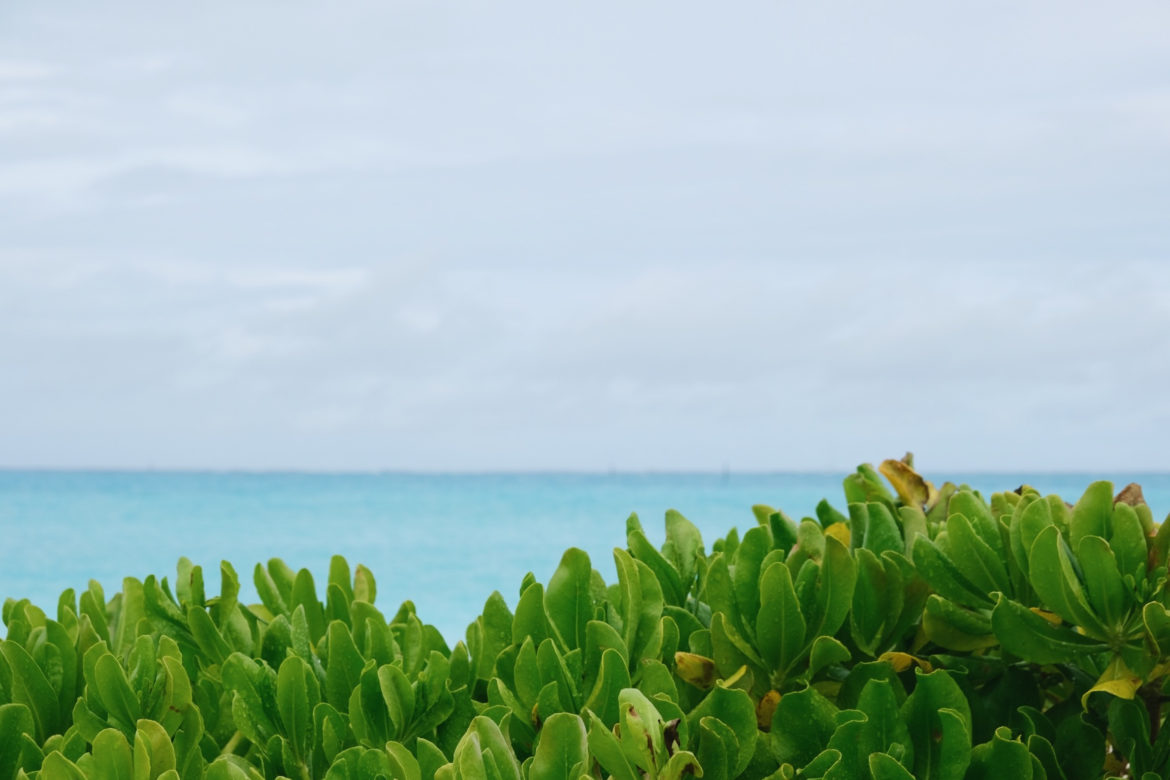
[[391, 235], [25, 70]]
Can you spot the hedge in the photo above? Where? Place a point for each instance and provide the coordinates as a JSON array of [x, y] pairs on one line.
[[920, 633]]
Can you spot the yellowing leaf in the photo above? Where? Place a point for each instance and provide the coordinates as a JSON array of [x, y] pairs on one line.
[[698, 670], [1117, 680], [1052, 618], [903, 661], [840, 532], [743, 678], [911, 487], [766, 709]]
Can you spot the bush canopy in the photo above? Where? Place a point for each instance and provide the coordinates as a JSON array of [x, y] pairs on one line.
[[922, 632]]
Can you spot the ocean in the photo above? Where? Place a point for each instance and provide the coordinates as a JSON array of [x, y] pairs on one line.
[[444, 541]]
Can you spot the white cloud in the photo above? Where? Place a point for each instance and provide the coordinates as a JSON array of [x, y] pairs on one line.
[[26, 70], [392, 234]]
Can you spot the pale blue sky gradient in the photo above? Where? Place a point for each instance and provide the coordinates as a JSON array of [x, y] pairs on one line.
[[770, 235]]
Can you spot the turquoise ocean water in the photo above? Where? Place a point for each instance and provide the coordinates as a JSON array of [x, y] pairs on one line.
[[444, 541]]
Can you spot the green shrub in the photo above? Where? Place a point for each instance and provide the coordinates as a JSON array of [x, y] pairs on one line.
[[922, 632]]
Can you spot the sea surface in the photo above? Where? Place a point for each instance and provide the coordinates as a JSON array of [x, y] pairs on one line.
[[443, 541]]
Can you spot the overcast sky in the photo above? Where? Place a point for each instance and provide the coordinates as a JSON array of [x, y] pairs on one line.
[[479, 236]]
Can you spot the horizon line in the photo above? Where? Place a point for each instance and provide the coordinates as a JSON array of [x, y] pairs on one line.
[[650, 471]]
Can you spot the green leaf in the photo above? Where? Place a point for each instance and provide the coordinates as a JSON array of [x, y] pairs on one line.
[[1000, 758], [133, 609], [834, 589], [189, 584], [802, 725], [562, 745], [879, 702], [489, 635], [329, 730], [304, 594], [860, 675], [825, 652], [657, 682], [1056, 581], [810, 546], [403, 764], [344, 670], [430, 758], [1129, 541], [606, 748], [1031, 516], [297, 692], [965, 502], [874, 528], [944, 577], [232, 768], [913, 525], [684, 545], [1042, 750], [269, 594], [939, 719], [553, 669], [827, 515], [15, 720], [339, 576], [956, 628], [30, 688], [531, 619], [784, 533], [612, 678], [642, 605], [734, 709], [853, 742], [92, 604], [1092, 514], [1129, 730], [206, 635], [1106, 592], [112, 757], [599, 637], [526, 674], [730, 651], [58, 767], [885, 767], [681, 765], [568, 601], [749, 557], [718, 749], [668, 576], [979, 563], [491, 741], [60, 645], [877, 601], [253, 690], [153, 750], [364, 587], [1081, 748], [780, 628], [398, 696], [1028, 635], [719, 590]]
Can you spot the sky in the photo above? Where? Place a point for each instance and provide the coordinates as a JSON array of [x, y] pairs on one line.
[[530, 235]]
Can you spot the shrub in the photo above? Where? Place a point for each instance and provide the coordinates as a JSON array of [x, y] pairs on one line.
[[923, 632]]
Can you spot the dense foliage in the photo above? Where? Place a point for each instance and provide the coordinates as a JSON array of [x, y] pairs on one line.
[[922, 633]]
